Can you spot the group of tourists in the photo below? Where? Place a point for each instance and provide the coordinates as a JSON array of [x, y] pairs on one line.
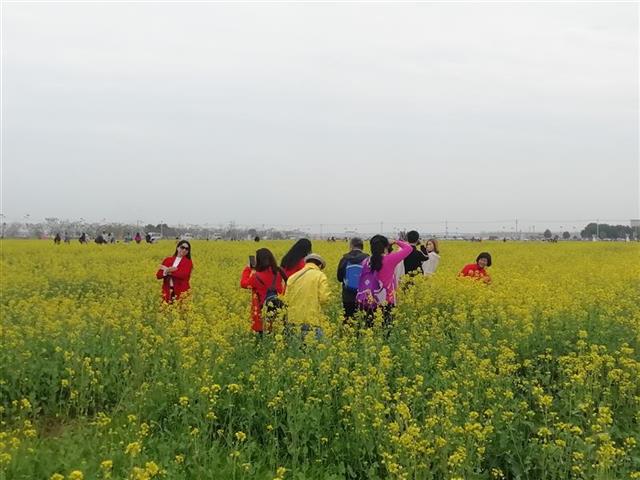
[[297, 290], [103, 238]]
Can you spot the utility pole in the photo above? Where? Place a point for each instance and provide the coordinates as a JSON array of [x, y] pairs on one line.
[[321, 231], [446, 228], [517, 236], [598, 229]]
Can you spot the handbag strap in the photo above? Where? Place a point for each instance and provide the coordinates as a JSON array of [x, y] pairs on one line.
[[301, 275]]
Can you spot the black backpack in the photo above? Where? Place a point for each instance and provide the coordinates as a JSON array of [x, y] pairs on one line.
[[272, 302]]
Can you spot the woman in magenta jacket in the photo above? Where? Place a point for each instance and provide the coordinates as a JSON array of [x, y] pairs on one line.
[[175, 272], [384, 261]]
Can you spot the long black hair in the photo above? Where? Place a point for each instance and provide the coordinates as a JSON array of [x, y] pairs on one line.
[[379, 246], [297, 252], [183, 242], [265, 260]]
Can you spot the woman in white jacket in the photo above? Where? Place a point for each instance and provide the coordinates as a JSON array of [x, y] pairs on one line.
[[429, 266]]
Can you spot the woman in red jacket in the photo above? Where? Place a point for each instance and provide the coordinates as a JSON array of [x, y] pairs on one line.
[[175, 272], [478, 270], [264, 276], [293, 260]]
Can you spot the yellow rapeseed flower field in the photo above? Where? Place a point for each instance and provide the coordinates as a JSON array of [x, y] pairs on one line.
[[535, 376]]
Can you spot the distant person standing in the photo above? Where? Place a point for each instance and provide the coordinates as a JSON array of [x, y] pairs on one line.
[[57, 239], [83, 239], [433, 251], [478, 270], [67, 239], [293, 260], [349, 270], [175, 272], [147, 237], [138, 237]]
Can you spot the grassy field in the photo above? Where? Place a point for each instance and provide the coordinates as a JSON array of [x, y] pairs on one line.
[[533, 377]]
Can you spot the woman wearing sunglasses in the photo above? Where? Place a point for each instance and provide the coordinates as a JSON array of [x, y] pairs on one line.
[[175, 272]]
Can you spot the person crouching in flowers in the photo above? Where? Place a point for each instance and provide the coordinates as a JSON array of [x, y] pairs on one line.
[[478, 270], [264, 279], [175, 272]]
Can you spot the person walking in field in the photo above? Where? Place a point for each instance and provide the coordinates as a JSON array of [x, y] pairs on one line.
[[293, 260], [266, 281], [430, 266], [175, 272], [478, 270], [306, 295], [377, 287], [349, 270]]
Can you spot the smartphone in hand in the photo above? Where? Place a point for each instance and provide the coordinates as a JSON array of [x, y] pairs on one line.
[[252, 261]]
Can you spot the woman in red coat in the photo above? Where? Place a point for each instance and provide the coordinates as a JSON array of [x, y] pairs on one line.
[[293, 260], [265, 275], [478, 270], [175, 272]]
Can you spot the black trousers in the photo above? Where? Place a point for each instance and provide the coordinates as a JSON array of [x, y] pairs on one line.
[[350, 309], [387, 316]]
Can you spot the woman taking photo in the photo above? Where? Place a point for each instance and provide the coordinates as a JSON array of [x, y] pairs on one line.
[[293, 260], [175, 272], [378, 280], [265, 279]]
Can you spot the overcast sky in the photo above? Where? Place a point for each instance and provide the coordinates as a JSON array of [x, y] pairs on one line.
[[320, 113]]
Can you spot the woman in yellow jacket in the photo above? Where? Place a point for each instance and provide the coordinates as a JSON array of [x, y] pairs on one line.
[[306, 293]]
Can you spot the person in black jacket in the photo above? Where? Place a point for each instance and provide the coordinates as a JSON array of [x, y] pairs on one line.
[[349, 278], [413, 263]]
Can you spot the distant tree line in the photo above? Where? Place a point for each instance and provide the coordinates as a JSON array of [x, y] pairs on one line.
[[74, 228], [606, 231]]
